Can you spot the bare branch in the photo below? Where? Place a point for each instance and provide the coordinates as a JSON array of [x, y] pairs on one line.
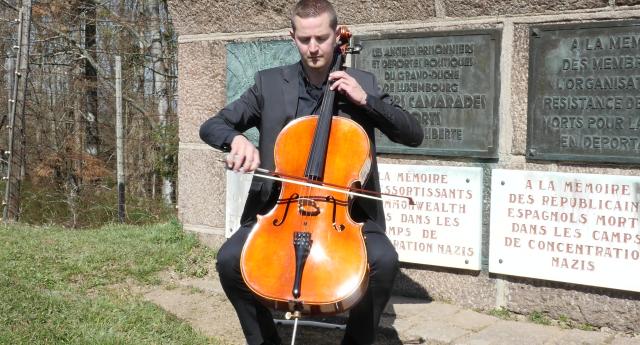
[[4, 2], [85, 54]]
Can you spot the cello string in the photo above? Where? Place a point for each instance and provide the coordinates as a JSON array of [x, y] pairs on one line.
[[326, 110], [311, 221]]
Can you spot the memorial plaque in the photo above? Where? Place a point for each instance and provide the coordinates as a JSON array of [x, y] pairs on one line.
[[243, 61], [448, 80], [575, 228], [444, 227], [584, 92]]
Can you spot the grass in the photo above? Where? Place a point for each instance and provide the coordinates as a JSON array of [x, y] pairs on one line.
[[56, 285], [539, 318], [501, 313], [586, 327]]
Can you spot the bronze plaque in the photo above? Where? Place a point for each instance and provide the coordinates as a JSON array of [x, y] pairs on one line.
[[584, 92], [244, 59], [448, 80]]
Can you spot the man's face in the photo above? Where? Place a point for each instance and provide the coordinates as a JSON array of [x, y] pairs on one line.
[[316, 41]]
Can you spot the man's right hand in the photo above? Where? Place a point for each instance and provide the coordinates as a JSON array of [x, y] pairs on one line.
[[244, 157]]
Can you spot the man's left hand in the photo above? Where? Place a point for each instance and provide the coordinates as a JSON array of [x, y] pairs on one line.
[[348, 86]]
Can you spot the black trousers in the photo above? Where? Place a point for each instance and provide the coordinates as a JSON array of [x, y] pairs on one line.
[[256, 320]]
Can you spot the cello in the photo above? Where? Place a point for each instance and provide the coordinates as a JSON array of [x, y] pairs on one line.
[[306, 255]]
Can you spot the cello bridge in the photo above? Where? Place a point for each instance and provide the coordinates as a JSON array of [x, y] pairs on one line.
[[308, 207]]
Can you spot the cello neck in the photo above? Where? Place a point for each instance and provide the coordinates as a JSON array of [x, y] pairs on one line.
[[318, 153]]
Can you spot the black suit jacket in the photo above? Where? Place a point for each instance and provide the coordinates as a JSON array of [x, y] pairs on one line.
[[272, 102]]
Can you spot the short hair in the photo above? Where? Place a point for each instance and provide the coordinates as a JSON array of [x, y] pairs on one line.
[[314, 8]]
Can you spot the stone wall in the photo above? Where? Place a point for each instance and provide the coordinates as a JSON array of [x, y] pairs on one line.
[[205, 27]]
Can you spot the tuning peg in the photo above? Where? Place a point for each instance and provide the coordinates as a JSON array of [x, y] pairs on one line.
[[355, 49]]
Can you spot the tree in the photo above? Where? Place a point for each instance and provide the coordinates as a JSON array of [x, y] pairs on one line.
[[70, 104]]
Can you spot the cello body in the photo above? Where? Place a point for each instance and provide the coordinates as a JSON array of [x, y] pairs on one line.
[[307, 254]]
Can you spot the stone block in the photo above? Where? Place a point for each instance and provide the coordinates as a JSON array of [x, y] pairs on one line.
[[471, 320], [578, 337], [511, 332], [466, 289], [397, 303], [426, 311], [201, 191], [473, 8], [618, 310], [437, 332], [213, 241], [202, 91], [627, 2], [202, 16], [519, 88], [621, 340]]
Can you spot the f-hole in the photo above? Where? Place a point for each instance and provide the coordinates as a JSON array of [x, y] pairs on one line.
[[288, 201], [338, 228]]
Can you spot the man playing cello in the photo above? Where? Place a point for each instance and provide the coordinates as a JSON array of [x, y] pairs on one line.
[[278, 96]]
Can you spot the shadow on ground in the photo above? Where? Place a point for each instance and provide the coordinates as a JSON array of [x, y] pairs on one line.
[[309, 335], [387, 335]]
